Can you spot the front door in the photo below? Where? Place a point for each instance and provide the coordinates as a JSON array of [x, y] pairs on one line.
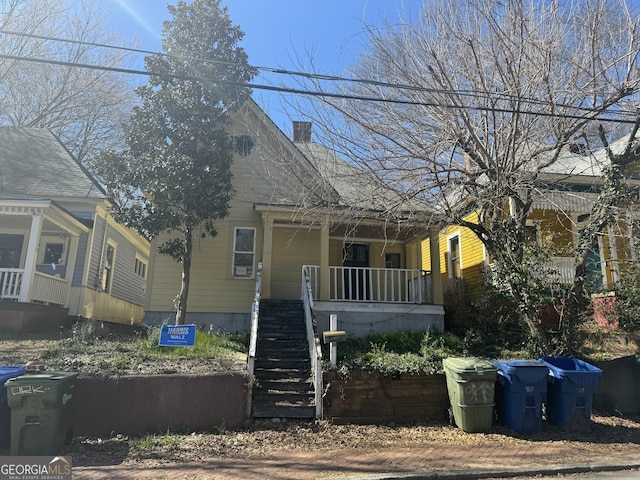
[[356, 278]]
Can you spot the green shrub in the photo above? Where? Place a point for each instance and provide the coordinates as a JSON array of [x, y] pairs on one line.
[[627, 303]]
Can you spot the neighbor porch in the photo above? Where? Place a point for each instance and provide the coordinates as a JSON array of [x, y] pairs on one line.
[[38, 249]]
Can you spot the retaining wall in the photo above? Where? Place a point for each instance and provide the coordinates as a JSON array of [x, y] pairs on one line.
[[159, 403], [367, 397]]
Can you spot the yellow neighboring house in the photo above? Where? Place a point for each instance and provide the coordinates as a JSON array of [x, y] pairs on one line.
[[61, 253], [298, 208], [556, 217]]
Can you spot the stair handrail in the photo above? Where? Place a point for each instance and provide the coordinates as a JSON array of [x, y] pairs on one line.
[[253, 339], [315, 350]]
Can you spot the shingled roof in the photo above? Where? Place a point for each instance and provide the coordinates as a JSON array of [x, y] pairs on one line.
[[35, 165]]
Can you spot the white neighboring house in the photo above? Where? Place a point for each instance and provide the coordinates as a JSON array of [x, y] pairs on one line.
[[61, 253]]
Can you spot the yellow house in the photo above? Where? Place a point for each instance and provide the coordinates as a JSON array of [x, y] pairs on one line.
[[555, 220], [299, 211]]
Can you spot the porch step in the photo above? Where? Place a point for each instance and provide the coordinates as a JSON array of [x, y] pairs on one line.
[[283, 364], [283, 386]]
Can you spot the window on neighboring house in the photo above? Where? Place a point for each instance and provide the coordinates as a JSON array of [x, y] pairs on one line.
[[140, 268], [455, 270], [244, 245], [531, 235], [107, 268], [53, 253]]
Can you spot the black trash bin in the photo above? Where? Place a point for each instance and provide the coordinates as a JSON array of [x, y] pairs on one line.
[[571, 384], [40, 406], [521, 387]]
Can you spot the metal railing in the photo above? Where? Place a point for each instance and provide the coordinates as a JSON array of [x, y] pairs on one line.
[[315, 350], [384, 285], [253, 339]]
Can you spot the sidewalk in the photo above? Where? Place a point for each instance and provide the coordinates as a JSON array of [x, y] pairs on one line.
[[437, 462]]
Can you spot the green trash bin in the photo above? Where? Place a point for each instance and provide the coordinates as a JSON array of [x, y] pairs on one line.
[[40, 406], [471, 387]]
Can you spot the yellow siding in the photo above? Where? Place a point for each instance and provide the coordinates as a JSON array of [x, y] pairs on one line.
[[472, 254], [292, 248]]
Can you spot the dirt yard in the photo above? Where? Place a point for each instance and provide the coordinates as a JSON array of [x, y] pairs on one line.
[[109, 354], [113, 354]]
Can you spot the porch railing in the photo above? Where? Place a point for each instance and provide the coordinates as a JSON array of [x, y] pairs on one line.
[[51, 290], [315, 349], [253, 338], [386, 285], [45, 288], [557, 269], [10, 282]]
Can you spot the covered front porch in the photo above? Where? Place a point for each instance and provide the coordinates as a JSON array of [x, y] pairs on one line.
[[38, 249], [369, 274]]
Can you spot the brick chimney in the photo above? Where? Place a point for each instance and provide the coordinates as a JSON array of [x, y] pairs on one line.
[[302, 132]]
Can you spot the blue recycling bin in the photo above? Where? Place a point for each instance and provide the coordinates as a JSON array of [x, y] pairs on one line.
[[5, 412], [521, 387], [571, 384]]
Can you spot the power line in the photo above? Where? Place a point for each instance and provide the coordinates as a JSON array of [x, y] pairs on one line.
[[310, 93], [316, 76]]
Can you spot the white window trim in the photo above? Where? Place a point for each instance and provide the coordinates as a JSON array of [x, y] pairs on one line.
[[450, 260], [253, 252], [108, 288], [141, 260]]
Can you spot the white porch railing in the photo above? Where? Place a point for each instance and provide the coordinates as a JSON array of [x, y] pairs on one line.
[[385, 285], [44, 289], [10, 282], [50, 289], [558, 269], [564, 269]]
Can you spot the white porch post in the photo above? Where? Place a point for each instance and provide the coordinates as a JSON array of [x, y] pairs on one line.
[[267, 252], [71, 264], [324, 261], [31, 258], [613, 252], [436, 277], [632, 244]]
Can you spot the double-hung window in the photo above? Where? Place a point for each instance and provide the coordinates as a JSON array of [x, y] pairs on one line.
[[454, 257], [244, 252]]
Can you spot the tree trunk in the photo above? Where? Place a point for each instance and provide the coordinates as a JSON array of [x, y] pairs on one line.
[[181, 314]]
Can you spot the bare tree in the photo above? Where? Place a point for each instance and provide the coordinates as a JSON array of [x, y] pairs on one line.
[[471, 104], [83, 107]]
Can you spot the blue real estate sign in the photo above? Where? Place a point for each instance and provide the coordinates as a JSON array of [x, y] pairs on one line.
[[177, 336]]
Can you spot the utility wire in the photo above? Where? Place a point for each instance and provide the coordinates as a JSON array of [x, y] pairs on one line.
[[310, 93], [316, 76]]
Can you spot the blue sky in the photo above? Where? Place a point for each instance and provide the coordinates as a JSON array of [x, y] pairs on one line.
[[278, 33]]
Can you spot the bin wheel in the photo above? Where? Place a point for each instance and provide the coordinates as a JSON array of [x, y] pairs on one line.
[[449, 416]]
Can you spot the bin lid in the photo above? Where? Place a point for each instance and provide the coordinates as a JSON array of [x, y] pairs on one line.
[[43, 376], [511, 366], [522, 371], [468, 365], [560, 366], [9, 372]]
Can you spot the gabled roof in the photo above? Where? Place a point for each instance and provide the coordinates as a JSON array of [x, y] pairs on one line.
[[356, 188], [589, 164], [35, 165]]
